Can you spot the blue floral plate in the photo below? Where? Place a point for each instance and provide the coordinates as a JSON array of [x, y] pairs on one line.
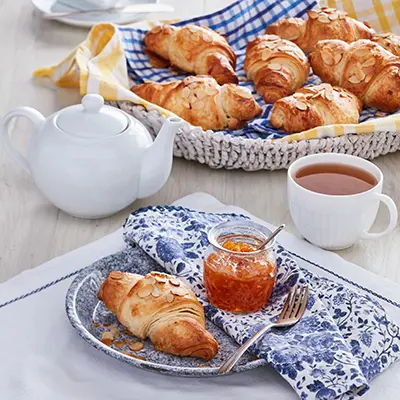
[[90, 318]]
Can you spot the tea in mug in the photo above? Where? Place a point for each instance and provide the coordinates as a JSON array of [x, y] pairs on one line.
[[335, 179]]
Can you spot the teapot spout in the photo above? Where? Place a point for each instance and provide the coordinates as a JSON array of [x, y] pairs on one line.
[[157, 159]]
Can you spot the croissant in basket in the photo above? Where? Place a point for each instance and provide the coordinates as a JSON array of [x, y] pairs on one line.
[[314, 106], [160, 307], [195, 49], [388, 41], [327, 23], [202, 102], [278, 67], [362, 67]]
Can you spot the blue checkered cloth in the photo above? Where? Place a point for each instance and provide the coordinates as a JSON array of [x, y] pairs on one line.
[[240, 23]]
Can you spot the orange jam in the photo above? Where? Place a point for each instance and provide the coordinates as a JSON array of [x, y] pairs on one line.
[[239, 279]]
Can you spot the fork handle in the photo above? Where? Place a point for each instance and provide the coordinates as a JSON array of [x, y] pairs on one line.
[[234, 358]]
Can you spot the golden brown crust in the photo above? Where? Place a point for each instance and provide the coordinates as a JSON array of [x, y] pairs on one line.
[[362, 67], [201, 101], [327, 23], [314, 106], [160, 307], [114, 289], [195, 49], [277, 67], [389, 41]]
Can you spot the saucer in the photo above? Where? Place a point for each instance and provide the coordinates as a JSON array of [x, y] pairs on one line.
[[87, 21]]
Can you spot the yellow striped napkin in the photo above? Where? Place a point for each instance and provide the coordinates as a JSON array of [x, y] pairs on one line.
[[98, 65], [382, 15]]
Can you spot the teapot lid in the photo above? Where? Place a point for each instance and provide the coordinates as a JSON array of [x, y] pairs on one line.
[[92, 118]]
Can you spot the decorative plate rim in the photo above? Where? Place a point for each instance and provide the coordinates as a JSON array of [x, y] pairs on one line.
[[70, 307]]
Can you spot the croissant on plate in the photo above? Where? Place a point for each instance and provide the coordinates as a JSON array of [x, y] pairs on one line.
[[362, 67], [327, 23], [277, 67], [388, 41], [160, 307], [314, 106], [202, 102], [195, 49]]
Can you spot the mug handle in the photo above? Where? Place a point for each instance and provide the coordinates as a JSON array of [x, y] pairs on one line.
[[392, 215], [32, 115]]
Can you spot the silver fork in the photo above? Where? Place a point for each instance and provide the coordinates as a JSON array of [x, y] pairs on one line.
[[293, 310]]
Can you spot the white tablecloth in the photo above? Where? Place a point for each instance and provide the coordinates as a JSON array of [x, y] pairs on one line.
[[42, 357]]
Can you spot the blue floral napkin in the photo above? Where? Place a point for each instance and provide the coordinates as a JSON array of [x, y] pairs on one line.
[[343, 340]]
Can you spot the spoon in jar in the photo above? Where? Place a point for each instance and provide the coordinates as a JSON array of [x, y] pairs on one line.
[[269, 238]]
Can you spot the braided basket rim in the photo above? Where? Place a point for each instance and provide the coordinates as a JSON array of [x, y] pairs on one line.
[[220, 150]]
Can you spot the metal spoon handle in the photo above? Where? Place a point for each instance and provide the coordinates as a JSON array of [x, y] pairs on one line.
[[273, 235]]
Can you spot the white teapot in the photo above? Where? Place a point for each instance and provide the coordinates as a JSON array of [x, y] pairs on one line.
[[92, 160]]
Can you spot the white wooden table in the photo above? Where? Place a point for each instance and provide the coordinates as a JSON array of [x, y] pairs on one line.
[[32, 231]]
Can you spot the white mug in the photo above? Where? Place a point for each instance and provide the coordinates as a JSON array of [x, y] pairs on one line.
[[337, 222]]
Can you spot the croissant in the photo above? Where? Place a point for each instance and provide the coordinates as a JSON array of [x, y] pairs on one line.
[[327, 23], [362, 67], [277, 67], [388, 41], [202, 102], [160, 307], [314, 106], [195, 49]]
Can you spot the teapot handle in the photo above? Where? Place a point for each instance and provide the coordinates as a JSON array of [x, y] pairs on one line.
[[27, 112]]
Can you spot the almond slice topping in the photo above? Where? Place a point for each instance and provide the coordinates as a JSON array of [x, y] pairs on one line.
[[208, 38], [156, 292], [273, 37], [327, 58], [297, 95], [178, 291], [192, 28], [361, 52], [353, 79], [175, 282], [333, 16], [275, 66], [313, 14], [270, 45], [156, 29], [211, 90], [301, 106], [338, 57], [201, 93], [185, 93], [136, 346], [161, 279], [367, 78], [324, 19], [145, 291], [197, 105], [360, 74], [117, 275], [107, 338], [149, 280], [186, 104], [369, 63], [265, 54], [169, 297], [329, 95]]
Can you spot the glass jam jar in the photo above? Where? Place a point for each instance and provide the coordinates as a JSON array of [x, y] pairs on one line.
[[237, 277]]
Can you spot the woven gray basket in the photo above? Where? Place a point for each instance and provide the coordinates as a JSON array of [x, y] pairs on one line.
[[225, 151]]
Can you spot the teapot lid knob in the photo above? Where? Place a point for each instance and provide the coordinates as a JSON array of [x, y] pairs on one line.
[[92, 103]]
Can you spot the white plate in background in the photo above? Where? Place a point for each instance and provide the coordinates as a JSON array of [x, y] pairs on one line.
[[87, 21]]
